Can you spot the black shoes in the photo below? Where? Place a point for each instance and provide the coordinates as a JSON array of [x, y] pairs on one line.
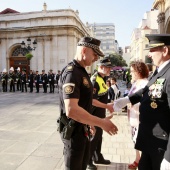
[[103, 161], [91, 166]]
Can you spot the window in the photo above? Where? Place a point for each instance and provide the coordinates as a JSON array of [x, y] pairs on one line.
[[18, 51]]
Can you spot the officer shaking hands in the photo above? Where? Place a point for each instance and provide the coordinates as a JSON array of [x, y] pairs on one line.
[[154, 129], [100, 99], [76, 94]]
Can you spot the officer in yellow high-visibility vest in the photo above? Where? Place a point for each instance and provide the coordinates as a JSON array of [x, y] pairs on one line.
[[100, 99]]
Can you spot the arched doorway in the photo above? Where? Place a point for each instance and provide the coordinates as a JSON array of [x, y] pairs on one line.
[[18, 59]]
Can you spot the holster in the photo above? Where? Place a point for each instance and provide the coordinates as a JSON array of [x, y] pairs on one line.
[[62, 121], [66, 126], [68, 130]]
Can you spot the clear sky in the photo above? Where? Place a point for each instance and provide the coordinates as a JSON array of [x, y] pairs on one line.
[[125, 14]]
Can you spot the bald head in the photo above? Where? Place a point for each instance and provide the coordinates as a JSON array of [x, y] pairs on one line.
[[85, 56]]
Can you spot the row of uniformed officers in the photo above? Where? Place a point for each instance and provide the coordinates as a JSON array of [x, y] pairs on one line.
[[20, 80]]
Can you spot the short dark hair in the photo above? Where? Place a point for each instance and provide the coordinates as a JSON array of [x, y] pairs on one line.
[[113, 78], [141, 68], [108, 81]]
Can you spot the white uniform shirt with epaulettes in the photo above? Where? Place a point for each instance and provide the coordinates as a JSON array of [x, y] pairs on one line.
[[75, 83]]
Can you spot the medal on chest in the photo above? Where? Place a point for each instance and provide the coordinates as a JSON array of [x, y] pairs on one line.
[[153, 105], [155, 92]]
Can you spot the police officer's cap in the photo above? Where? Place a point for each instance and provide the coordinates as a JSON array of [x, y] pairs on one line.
[[43, 70], [51, 70], [158, 40], [105, 62], [91, 43]]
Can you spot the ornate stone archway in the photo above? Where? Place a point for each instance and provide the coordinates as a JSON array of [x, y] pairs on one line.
[[18, 59]]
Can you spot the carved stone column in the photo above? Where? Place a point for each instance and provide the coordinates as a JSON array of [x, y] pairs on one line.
[[161, 22]]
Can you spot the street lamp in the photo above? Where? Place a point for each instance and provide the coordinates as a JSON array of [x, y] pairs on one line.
[[28, 47]]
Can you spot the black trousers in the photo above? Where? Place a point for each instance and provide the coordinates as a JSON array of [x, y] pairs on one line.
[[12, 86], [31, 86], [45, 87], [151, 161], [51, 87], [96, 144], [19, 84], [76, 151], [24, 86], [37, 87], [4, 86]]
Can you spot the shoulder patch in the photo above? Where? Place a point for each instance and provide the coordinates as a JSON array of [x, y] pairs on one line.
[[85, 82], [68, 88]]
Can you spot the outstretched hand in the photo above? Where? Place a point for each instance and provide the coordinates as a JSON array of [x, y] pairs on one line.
[[108, 126], [110, 107]]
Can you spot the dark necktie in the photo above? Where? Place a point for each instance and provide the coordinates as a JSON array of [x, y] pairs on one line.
[[155, 72]]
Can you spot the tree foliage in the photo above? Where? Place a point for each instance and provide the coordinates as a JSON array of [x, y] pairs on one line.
[[28, 56], [117, 60]]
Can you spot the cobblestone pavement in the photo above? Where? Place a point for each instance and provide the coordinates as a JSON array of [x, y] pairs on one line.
[[29, 139]]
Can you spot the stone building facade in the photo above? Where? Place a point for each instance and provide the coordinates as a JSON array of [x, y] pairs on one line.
[[163, 17], [55, 31], [106, 33], [148, 25]]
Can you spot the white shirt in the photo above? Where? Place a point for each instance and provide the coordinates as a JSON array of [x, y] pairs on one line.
[[163, 65], [116, 90]]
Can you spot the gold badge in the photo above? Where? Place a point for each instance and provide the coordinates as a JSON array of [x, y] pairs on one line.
[[68, 88], [154, 105], [85, 82]]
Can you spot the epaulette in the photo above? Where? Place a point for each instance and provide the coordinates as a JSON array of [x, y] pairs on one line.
[[93, 78], [69, 68]]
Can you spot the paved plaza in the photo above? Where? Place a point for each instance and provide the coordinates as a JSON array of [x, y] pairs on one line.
[[29, 139]]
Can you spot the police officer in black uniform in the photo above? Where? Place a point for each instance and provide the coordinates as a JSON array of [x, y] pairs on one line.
[[100, 94], [31, 80], [154, 129], [18, 79], [12, 79], [37, 81], [76, 103], [23, 81], [44, 80], [51, 80], [4, 80]]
